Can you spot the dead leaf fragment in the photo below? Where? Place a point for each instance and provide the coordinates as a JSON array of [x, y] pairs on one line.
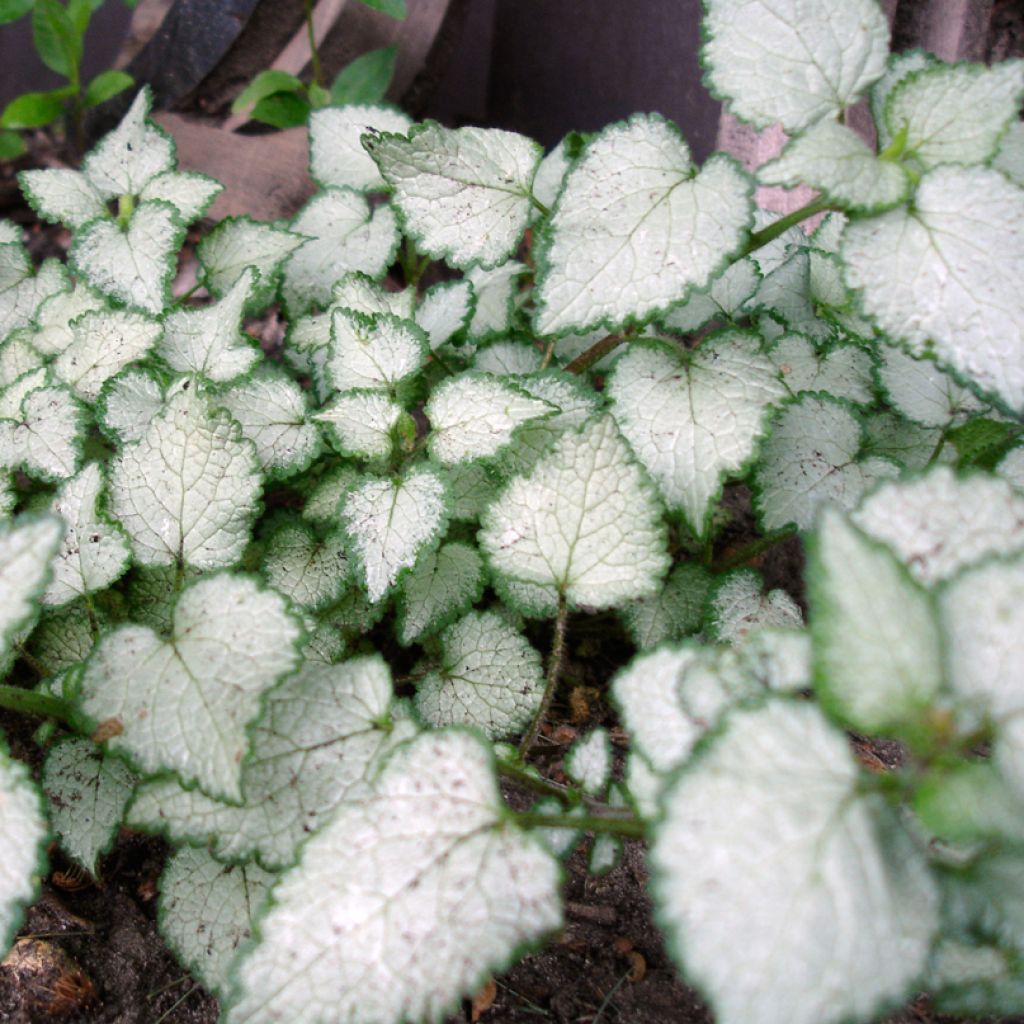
[[47, 978], [484, 1000]]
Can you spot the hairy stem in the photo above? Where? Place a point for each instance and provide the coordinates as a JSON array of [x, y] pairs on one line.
[[542, 787], [554, 671], [28, 702], [770, 233], [597, 351], [744, 554], [618, 824]]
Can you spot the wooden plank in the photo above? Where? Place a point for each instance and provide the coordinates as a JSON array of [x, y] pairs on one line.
[[264, 176], [951, 29]]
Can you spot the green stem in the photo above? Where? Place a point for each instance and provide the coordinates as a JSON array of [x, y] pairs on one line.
[[539, 206], [707, 551], [28, 702], [781, 226], [937, 450], [94, 625], [314, 53], [542, 787], [620, 825], [413, 267], [752, 550], [554, 671], [597, 352], [185, 296]]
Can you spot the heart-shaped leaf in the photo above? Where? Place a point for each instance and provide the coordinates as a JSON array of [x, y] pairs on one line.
[[635, 227], [185, 704], [132, 264]]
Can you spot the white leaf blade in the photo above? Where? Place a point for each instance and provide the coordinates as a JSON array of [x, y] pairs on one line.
[[130, 156], [464, 194], [674, 612], [337, 158], [835, 160], [922, 392], [21, 291], [61, 195], [239, 242], [584, 524], [187, 491], [955, 114], [877, 648], [791, 61], [46, 438], [53, 332], [441, 586], [189, 193], [473, 416], [372, 352], [738, 607], [103, 344], [922, 278], [693, 421], [389, 523], [490, 677], [589, 762], [26, 549], [128, 404], [724, 298], [356, 878], [209, 341], [207, 910], [445, 310], [618, 254], [133, 264], [939, 523], [494, 299], [94, 551], [813, 455], [319, 741], [23, 837], [343, 235], [306, 570], [766, 836], [272, 411], [647, 692], [361, 422], [185, 705], [843, 371], [88, 794]]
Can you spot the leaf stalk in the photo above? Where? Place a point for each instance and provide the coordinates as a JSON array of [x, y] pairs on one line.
[[781, 226], [554, 671], [626, 825], [597, 352], [28, 702]]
